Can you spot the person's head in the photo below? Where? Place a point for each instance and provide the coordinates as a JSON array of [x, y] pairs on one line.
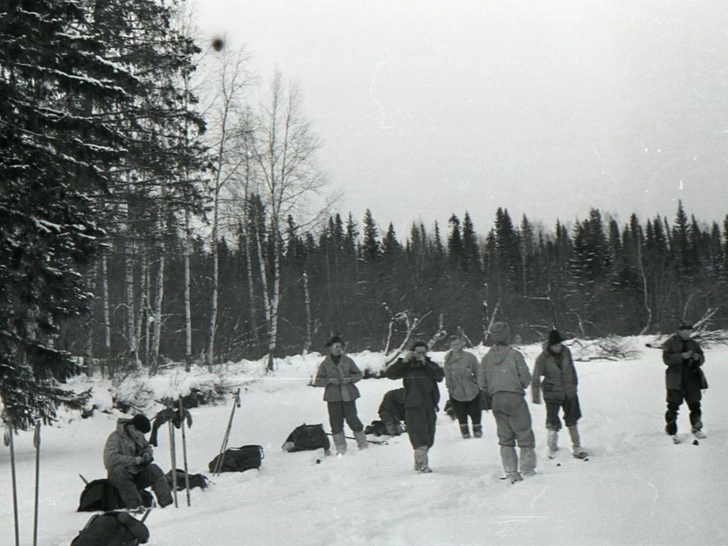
[[500, 333], [139, 424], [335, 345], [685, 330], [419, 349], [456, 343], [554, 342]]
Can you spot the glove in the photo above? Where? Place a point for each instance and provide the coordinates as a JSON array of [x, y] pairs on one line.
[[147, 458], [346, 380], [138, 461], [696, 357], [334, 381], [686, 355]]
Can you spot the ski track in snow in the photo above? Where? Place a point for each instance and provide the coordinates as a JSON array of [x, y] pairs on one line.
[[637, 488]]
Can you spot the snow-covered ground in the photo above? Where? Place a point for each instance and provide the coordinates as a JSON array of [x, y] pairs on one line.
[[636, 489]]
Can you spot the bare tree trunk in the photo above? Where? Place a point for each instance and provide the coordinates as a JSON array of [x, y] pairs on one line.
[[645, 294], [308, 342], [106, 305], [88, 350], [142, 329], [132, 341], [210, 356], [187, 298], [157, 309], [274, 302]]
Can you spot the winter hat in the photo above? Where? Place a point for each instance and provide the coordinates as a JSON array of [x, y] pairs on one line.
[[335, 339], [141, 423], [685, 326], [555, 338], [500, 333]]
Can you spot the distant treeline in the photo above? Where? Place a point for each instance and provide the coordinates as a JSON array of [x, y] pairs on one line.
[[592, 279]]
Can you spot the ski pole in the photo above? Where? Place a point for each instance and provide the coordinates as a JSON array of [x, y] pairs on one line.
[[184, 451], [221, 455], [36, 445], [9, 442], [173, 456], [378, 442]]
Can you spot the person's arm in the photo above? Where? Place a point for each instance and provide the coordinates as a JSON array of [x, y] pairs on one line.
[[672, 354], [114, 456], [524, 374], [322, 378], [396, 369], [434, 369], [536, 380], [354, 372]]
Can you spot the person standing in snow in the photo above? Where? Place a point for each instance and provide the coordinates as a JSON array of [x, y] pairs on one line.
[[461, 379], [559, 385], [128, 460], [420, 376], [684, 378], [504, 376], [337, 373], [391, 411]]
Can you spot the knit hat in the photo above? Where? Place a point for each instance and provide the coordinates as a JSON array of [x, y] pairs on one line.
[[554, 338], [335, 339], [141, 423], [500, 333], [685, 326]]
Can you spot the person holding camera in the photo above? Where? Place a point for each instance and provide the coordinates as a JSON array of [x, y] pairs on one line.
[[337, 373], [420, 376], [684, 379], [128, 459], [461, 379]]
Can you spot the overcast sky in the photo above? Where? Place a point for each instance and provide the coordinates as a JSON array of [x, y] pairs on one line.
[[546, 108]]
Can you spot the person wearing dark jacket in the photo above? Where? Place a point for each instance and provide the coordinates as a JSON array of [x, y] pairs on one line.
[[128, 461], [684, 379], [391, 411], [337, 374], [420, 376], [559, 385]]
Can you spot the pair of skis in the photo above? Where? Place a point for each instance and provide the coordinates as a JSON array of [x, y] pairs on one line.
[[173, 454], [8, 440]]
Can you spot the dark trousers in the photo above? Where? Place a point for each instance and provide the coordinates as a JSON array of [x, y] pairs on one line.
[[675, 398], [129, 484], [471, 409], [420, 421], [343, 411], [571, 409]]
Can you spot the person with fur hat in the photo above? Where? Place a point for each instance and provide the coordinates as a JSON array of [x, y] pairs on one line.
[[554, 375], [504, 376], [420, 376], [684, 379], [337, 373], [128, 460], [461, 379]]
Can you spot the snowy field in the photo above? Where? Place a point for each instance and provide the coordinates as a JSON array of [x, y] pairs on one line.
[[637, 488]]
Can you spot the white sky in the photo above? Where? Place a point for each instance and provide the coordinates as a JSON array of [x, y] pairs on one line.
[[428, 108]]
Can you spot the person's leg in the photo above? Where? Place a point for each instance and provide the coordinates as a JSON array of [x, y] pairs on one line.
[[521, 425], [152, 475], [506, 435], [123, 481], [461, 413], [336, 420], [572, 414], [674, 400], [355, 424], [475, 411], [419, 436], [553, 426]]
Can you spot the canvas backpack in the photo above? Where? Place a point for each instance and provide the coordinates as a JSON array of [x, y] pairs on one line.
[[196, 480], [239, 459], [112, 529], [377, 428], [100, 495], [307, 438]]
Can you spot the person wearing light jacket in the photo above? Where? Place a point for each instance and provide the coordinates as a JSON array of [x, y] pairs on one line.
[[504, 376], [559, 387], [461, 380], [337, 373], [128, 461]]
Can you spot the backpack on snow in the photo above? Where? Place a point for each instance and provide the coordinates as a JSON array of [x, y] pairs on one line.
[[377, 428], [239, 459], [196, 480], [112, 529], [307, 438], [100, 495]]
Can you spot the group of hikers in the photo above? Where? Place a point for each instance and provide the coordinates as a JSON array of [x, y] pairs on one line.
[[498, 383]]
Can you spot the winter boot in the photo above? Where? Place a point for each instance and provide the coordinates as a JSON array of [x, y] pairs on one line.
[[671, 420], [421, 464], [478, 431], [465, 431], [163, 492], [340, 443], [578, 451], [514, 477], [509, 458], [552, 437], [361, 439], [528, 461], [697, 429]]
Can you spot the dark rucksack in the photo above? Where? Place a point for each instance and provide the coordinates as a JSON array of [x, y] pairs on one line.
[[377, 428], [100, 495], [239, 459], [307, 438], [196, 480], [112, 529]]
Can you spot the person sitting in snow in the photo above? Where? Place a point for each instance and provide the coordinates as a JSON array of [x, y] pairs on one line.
[[556, 366], [420, 376], [684, 379], [504, 376], [337, 374], [391, 411], [461, 379], [128, 460]]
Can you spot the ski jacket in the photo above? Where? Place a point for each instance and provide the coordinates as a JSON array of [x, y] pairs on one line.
[[122, 450], [504, 369], [559, 376], [419, 380], [346, 368], [679, 370], [461, 375]]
